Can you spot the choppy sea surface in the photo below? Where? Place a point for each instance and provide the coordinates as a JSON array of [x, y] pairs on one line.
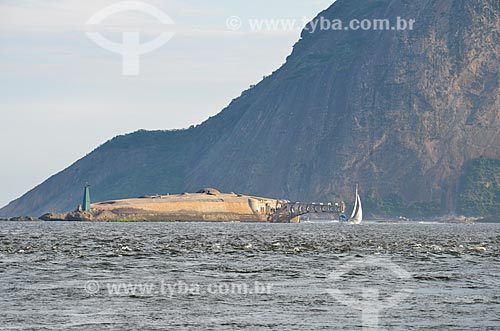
[[200, 276]]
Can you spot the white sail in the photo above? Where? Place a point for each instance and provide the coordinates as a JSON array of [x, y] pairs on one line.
[[357, 212], [355, 204], [358, 217]]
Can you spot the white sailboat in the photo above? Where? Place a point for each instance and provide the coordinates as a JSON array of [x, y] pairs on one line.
[[357, 212]]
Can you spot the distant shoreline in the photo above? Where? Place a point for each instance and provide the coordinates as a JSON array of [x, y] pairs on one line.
[[487, 220]]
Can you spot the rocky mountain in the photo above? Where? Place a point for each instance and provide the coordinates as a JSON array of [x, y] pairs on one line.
[[412, 116]]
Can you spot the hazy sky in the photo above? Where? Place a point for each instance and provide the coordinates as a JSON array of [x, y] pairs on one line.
[[61, 95]]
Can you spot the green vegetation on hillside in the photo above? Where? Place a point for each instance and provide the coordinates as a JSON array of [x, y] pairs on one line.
[[480, 188], [394, 205]]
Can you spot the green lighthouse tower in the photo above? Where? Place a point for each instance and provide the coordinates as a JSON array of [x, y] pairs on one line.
[[86, 198]]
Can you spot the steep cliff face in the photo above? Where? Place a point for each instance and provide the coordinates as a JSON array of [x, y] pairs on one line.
[[399, 112]]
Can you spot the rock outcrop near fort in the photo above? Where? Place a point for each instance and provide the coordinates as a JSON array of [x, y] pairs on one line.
[[412, 116]]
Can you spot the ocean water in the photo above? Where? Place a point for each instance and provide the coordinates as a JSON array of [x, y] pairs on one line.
[[199, 276]]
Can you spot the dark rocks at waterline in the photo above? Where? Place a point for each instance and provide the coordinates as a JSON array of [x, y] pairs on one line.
[[73, 217], [53, 217], [493, 219], [50, 217], [21, 219]]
